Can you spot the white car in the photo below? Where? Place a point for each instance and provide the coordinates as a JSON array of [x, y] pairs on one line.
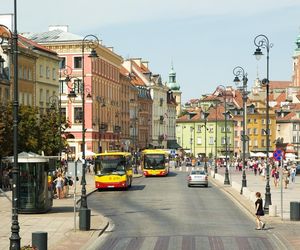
[[197, 178]]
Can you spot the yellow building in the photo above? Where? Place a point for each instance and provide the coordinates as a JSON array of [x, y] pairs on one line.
[[256, 127]]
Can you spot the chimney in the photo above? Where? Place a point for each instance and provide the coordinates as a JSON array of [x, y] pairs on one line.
[[64, 28]]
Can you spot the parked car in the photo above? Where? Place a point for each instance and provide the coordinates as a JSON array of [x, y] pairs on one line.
[[197, 178]]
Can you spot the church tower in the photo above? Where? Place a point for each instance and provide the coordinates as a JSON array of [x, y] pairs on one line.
[[175, 87], [296, 64]]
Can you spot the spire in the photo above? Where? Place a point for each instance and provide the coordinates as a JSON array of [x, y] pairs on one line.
[[172, 79]]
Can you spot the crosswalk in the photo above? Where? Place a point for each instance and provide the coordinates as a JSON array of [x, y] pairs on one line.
[[187, 242]]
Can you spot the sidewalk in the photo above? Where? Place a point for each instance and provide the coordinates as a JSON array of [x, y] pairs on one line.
[[58, 222], [288, 230], [258, 184]]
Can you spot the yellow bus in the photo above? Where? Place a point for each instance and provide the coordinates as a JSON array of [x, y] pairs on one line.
[[113, 170], [154, 162]]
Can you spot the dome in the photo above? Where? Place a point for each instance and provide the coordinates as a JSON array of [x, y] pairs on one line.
[[174, 86]]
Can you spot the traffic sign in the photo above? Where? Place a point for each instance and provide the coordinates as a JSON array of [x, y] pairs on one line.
[[278, 155]]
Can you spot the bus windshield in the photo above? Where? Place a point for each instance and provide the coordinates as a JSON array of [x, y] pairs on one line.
[[110, 164], [154, 161]]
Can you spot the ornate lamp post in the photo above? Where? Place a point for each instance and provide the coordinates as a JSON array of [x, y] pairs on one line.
[[261, 41], [226, 179], [12, 39], [240, 73], [91, 42], [216, 139]]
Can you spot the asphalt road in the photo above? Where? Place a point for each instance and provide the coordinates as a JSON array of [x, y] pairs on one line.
[[163, 213]]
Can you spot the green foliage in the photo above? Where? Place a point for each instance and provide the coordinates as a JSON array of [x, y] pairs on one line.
[[36, 133]]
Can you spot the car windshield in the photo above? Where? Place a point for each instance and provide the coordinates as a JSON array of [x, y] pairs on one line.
[[198, 173], [155, 161], [113, 164]]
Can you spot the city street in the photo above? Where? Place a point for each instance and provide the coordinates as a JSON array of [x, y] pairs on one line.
[[163, 213]]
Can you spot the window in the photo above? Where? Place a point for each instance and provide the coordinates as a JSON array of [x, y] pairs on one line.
[[255, 143], [29, 74], [223, 141], [255, 120], [249, 120], [235, 133], [249, 131], [20, 72], [77, 62], [62, 63], [263, 121], [63, 113], [255, 131], [41, 70], [263, 143], [211, 140], [295, 127], [47, 72], [199, 128], [199, 140], [78, 115], [294, 139], [236, 144], [263, 132], [53, 74], [161, 101], [250, 143], [25, 73]]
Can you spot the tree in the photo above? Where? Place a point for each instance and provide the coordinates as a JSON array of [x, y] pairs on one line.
[[36, 132]]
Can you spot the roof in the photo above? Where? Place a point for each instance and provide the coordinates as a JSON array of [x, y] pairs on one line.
[[52, 36], [280, 84], [27, 43]]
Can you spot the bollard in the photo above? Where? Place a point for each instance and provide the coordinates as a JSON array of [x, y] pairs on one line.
[[39, 240], [273, 210], [295, 210], [84, 219]]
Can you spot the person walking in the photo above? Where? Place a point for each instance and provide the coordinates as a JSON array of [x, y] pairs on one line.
[[59, 182], [285, 176], [259, 211], [293, 173]]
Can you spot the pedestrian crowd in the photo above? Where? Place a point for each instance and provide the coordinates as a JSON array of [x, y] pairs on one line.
[[61, 181]]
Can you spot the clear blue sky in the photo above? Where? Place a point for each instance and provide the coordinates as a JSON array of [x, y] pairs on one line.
[[205, 39]]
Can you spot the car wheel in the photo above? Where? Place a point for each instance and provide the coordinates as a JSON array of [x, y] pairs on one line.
[[206, 185]]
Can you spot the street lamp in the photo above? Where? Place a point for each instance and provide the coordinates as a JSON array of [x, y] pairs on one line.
[[226, 179], [7, 37], [205, 115], [182, 127], [261, 41], [216, 139], [240, 73], [191, 140], [84, 212]]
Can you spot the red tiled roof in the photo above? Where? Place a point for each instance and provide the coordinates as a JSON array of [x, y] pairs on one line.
[[279, 84], [26, 43]]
